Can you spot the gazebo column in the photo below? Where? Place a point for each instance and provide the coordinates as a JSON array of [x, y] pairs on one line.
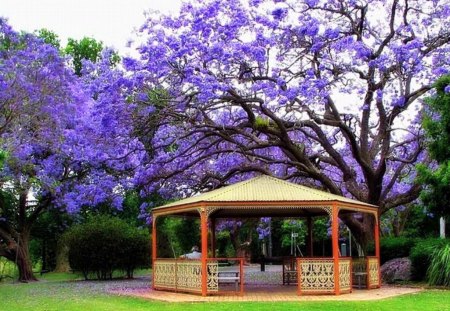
[[377, 243], [213, 237], [309, 238], [204, 237], [154, 250], [335, 245]]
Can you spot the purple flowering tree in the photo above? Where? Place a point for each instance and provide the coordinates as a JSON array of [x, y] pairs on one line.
[[320, 92], [62, 146]]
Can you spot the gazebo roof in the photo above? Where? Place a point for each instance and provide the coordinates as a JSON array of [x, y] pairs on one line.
[[263, 190]]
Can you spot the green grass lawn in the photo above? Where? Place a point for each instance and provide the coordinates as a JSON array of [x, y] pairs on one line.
[[56, 292]]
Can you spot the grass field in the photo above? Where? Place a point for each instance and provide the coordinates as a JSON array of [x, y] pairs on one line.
[[62, 292]]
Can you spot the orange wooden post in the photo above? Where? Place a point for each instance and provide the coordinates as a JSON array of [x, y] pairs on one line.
[[335, 244], [154, 255], [241, 276], [299, 277], [204, 237], [377, 244], [213, 237], [309, 241]]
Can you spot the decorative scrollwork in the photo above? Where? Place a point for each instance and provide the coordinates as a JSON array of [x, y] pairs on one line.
[[164, 272], [344, 274], [374, 279], [178, 274], [213, 276], [189, 275], [316, 275]]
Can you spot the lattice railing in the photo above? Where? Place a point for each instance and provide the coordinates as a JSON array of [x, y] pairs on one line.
[[345, 282], [164, 273], [316, 275], [185, 275], [213, 276], [189, 275], [373, 268]]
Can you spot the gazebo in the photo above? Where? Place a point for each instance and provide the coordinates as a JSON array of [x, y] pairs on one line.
[[265, 196]]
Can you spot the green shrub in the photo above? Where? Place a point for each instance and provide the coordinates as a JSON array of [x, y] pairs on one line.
[[8, 269], [135, 252], [104, 244], [438, 272], [421, 256], [395, 247]]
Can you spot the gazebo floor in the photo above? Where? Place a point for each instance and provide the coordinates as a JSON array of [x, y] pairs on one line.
[[270, 293]]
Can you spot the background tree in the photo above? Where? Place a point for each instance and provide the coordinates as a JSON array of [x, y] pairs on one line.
[[436, 193], [319, 92], [59, 151], [86, 49]]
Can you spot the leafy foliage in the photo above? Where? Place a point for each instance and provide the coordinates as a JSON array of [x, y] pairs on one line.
[[439, 271], [87, 49], [395, 247], [105, 244], [176, 236], [420, 256], [436, 194], [49, 37]]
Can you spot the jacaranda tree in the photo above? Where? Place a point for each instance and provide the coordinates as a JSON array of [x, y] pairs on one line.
[[58, 146], [324, 92]]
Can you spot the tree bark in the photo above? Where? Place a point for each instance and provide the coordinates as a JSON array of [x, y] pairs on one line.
[[21, 254], [362, 230], [23, 260]]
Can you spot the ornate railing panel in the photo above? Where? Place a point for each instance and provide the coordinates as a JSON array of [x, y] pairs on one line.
[[164, 273], [373, 272], [186, 275], [213, 276], [345, 284], [189, 275], [316, 275]]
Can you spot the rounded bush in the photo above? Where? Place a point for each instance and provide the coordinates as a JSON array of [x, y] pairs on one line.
[[105, 244]]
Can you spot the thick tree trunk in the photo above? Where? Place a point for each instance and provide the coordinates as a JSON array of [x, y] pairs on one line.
[[362, 230], [22, 258]]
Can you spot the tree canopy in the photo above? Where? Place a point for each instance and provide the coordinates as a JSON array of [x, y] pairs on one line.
[[60, 146], [319, 92]]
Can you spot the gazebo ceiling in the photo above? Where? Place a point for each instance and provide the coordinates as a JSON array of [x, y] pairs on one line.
[[263, 196]]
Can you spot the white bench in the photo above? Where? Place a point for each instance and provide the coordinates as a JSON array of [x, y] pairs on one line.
[[229, 277]]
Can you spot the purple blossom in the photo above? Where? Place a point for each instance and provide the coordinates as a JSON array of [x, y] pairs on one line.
[[280, 13]]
